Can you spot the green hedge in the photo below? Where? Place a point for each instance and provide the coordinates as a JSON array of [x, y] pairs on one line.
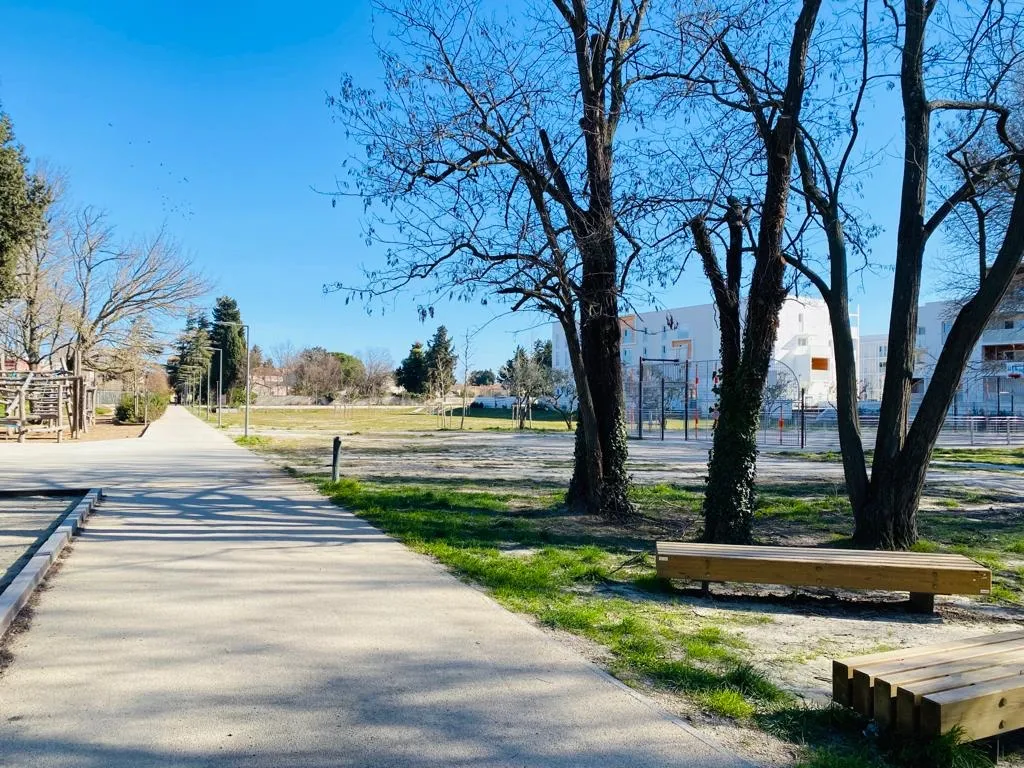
[[125, 412]]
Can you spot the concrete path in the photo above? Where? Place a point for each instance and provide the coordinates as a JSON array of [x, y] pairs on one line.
[[218, 613]]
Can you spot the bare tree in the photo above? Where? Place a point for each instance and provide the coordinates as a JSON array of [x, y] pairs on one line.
[[115, 283], [36, 320], [466, 361], [970, 61], [495, 166], [378, 377], [771, 96], [317, 374], [562, 391]]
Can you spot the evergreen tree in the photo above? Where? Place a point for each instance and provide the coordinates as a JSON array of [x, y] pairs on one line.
[[227, 334], [23, 199], [482, 378], [441, 360], [192, 357], [542, 353], [412, 373], [353, 372], [257, 359]]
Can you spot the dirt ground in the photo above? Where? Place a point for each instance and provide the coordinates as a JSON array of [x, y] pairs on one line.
[[103, 429]]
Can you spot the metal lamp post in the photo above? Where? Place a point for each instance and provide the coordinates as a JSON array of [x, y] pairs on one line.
[[248, 396]]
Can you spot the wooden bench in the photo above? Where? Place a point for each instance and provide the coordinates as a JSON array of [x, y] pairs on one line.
[[923, 575], [975, 684]]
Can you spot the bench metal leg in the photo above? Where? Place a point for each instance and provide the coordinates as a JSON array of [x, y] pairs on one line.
[[922, 602]]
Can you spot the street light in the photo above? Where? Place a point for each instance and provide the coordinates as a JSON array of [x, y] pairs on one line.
[[245, 327]]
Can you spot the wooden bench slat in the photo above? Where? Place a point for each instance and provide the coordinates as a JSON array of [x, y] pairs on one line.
[[983, 710], [816, 553], [940, 581], [842, 669], [884, 687], [908, 699]]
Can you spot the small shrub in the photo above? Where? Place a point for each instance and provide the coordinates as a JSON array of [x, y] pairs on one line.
[[151, 405]]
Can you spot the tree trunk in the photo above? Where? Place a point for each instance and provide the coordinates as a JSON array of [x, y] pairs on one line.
[[910, 242], [888, 517], [601, 338], [732, 465], [585, 486]]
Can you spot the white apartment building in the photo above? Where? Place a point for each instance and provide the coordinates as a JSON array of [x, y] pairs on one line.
[[803, 347], [874, 348], [993, 382]]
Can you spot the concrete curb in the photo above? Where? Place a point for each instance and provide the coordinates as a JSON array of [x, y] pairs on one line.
[[17, 593]]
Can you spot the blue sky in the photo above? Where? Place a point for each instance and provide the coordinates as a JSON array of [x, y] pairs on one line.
[[210, 117]]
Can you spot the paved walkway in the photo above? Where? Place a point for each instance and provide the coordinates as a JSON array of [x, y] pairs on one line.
[[216, 613]]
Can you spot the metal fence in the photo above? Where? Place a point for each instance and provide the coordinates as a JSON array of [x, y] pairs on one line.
[[676, 399], [669, 399], [108, 396]]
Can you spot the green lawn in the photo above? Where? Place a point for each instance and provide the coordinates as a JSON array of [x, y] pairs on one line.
[[1012, 457], [411, 419]]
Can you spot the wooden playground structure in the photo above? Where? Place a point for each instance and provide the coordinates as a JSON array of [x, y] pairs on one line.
[[46, 402]]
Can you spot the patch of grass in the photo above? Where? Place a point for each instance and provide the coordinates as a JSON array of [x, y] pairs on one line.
[[727, 703], [254, 441], [1016, 545], [820, 456], [1003, 593], [946, 751], [831, 757], [1010, 457], [948, 503], [663, 498], [807, 512]]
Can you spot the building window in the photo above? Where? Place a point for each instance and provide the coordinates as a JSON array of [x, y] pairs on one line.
[[819, 363], [801, 341], [627, 336], [947, 326], [881, 365], [920, 330], [883, 350], [1008, 325]]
